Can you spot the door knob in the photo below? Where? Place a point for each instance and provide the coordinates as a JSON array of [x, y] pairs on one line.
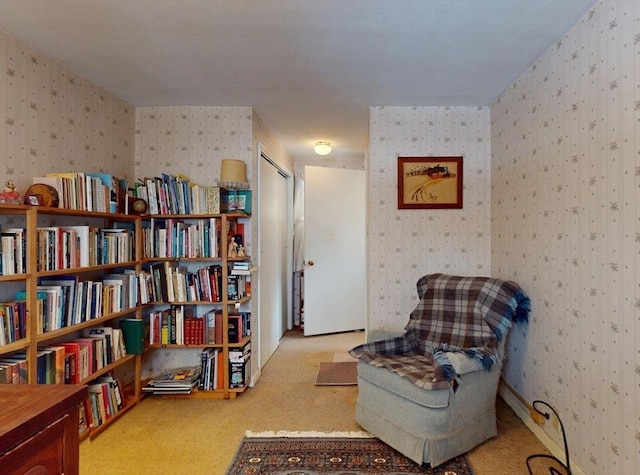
[[310, 263]]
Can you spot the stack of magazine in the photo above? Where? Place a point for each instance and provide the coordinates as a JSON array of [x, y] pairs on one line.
[[175, 381]]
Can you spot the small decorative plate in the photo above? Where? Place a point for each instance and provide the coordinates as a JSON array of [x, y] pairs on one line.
[[40, 194]]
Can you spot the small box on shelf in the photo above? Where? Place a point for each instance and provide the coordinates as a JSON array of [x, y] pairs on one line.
[[235, 201], [133, 331]]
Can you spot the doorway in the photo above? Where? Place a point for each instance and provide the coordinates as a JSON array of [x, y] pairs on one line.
[[334, 250]]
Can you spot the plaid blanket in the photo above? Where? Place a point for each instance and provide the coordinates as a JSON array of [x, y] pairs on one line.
[[455, 314]]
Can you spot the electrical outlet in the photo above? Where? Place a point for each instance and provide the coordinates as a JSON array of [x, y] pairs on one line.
[[536, 417]]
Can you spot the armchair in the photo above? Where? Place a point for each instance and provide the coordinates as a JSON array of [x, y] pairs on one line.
[[430, 393]]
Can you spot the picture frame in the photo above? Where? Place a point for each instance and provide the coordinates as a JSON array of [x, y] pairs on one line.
[[430, 182], [33, 200]]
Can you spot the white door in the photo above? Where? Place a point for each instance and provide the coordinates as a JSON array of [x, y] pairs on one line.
[[334, 251], [274, 259]]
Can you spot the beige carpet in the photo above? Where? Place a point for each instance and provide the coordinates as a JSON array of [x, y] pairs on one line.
[[344, 373], [342, 356], [199, 436]]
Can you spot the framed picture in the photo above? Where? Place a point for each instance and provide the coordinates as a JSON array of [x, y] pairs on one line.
[[429, 182], [34, 200]]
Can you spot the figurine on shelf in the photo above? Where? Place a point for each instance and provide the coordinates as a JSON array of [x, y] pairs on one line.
[[233, 247], [10, 194], [240, 252]]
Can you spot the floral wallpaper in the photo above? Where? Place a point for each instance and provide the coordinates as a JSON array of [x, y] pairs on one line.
[[551, 200], [190, 140], [565, 208], [56, 121], [409, 243], [193, 140]]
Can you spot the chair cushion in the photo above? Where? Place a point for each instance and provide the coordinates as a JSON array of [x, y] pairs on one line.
[[392, 382]]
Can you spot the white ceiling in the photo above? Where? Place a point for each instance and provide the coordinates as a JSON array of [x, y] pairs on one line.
[[310, 68]]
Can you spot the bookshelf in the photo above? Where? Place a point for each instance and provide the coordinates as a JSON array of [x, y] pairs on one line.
[[171, 251], [48, 246], [36, 261]]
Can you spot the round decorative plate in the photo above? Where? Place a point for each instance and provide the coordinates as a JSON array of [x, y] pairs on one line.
[[42, 195]]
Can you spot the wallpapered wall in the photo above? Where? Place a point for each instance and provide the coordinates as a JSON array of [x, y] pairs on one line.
[[557, 211], [407, 244], [566, 225], [190, 140], [193, 140], [57, 121]]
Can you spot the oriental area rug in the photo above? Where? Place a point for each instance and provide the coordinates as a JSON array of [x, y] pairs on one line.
[[328, 453]]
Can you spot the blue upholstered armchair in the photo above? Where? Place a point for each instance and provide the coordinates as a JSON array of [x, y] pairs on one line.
[[430, 392]]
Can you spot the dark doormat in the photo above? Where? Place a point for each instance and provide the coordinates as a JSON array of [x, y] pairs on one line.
[[337, 374]]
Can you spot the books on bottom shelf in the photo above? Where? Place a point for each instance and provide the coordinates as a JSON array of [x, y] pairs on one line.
[[104, 401], [175, 381], [239, 366], [211, 370]]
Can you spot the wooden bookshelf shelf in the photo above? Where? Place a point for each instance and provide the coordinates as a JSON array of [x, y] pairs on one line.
[[25, 358], [39, 331], [225, 225]]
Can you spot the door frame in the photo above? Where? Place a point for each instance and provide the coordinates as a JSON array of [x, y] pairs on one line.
[[263, 153]]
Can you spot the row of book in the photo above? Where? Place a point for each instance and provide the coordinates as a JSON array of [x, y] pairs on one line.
[[68, 362], [175, 238], [105, 399], [13, 251], [13, 321], [178, 326], [211, 368], [64, 301], [169, 281], [65, 247], [102, 192], [68, 301], [166, 194], [176, 194]]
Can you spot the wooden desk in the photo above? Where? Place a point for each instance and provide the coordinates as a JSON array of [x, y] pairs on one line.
[[39, 428]]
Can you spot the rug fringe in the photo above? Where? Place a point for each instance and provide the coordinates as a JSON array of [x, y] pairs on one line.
[[312, 434]]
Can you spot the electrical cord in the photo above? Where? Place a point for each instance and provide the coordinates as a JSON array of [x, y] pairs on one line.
[[552, 470]]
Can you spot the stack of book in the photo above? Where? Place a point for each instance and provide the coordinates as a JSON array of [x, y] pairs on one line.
[[175, 381], [239, 366], [242, 268]]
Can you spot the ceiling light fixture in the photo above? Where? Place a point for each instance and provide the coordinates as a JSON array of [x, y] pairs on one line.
[[322, 148]]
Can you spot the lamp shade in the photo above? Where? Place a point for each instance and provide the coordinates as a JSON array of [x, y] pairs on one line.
[[322, 148], [233, 173]]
